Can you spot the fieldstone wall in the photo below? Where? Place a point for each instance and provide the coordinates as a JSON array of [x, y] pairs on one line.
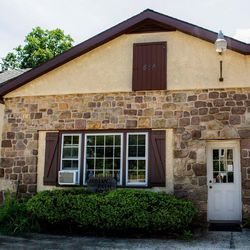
[[194, 116]]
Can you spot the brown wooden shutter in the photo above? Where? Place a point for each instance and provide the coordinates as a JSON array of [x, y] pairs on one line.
[[149, 66], [157, 159], [51, 166]]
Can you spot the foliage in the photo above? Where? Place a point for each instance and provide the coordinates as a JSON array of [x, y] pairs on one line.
[[187, 235], [39, 46], [14, 217], [120, 210]]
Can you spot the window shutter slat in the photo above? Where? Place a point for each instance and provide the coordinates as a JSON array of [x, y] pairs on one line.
[[51, 158], [157, 172]]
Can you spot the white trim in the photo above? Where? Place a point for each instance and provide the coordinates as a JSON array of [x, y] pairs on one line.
[[85, 158], [143, 184], [79, 155]]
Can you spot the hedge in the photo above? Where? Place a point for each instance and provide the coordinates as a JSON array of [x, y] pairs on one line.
[[120, 210]]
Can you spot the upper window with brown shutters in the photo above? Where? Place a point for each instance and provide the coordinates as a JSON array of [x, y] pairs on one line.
[[149, 66]]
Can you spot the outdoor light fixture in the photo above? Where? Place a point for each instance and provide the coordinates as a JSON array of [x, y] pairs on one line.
[[220, 47]]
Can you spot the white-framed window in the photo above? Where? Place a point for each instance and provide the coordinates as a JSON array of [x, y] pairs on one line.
[[71, 153], [137, 159], [103, 155]]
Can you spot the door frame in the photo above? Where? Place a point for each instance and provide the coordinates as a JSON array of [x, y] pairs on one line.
[[224, 143]]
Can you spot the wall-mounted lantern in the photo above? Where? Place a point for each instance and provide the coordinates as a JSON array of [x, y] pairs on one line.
[[220, 47]]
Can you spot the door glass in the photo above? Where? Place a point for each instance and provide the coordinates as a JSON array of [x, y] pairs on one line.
[[223, 165]]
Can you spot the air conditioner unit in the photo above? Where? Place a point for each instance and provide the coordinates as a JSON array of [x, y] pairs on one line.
[[68, 177]]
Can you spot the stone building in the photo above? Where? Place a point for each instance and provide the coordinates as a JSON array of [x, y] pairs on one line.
[[144, 102]]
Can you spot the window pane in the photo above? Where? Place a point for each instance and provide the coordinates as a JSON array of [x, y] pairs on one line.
[[117, 176], [108, 173], [222, 153], [99, 140], [117, 164], [132, 151], [230, 176], [74, 164], [99, 151], [74, 152], [132, 176], [66, 164], [67, 140], [90, 163], [141, 176], [141, 140], [66, 153], [216, 165], [106, 154], [132, 164], [136, 158], [99, 173], [109, 140], [90, 152], [108, 164], [223, 177], [90, 140], [132, 140], [216, 177], [117, 140], [222, 166], [89, 174], [141, 151], [99, 163], [230, 166], [108, 151], [230, 154], [75, 140], [117, 152], [216, 154], [69, 165], [70, 153], [141, 165]]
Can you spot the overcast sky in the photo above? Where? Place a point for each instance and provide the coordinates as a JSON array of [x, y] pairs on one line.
[[83, 19]]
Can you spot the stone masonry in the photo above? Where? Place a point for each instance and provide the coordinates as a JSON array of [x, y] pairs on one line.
[[194, 116]]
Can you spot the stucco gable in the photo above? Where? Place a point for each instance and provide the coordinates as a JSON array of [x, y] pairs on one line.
[[143, 22], [191, 64]]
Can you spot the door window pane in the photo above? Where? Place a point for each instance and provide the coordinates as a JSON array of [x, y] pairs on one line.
[[223, 165], [216, 154], [216, 165], [229, 154], [230, 177]]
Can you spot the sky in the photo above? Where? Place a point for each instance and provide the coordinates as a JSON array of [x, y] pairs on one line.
[[83, 19]]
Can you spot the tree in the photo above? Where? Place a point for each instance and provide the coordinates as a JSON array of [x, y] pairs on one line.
[[39, 46]]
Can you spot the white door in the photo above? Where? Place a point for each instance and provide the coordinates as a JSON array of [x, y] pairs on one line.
[[224, 181]]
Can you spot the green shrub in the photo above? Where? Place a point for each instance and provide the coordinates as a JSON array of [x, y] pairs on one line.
[[14, 217], [120, 210]]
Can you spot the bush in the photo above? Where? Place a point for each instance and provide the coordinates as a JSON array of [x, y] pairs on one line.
[[14, 217], [120, 210]]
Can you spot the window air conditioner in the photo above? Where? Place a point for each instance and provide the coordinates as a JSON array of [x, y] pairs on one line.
[[67, 177]]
